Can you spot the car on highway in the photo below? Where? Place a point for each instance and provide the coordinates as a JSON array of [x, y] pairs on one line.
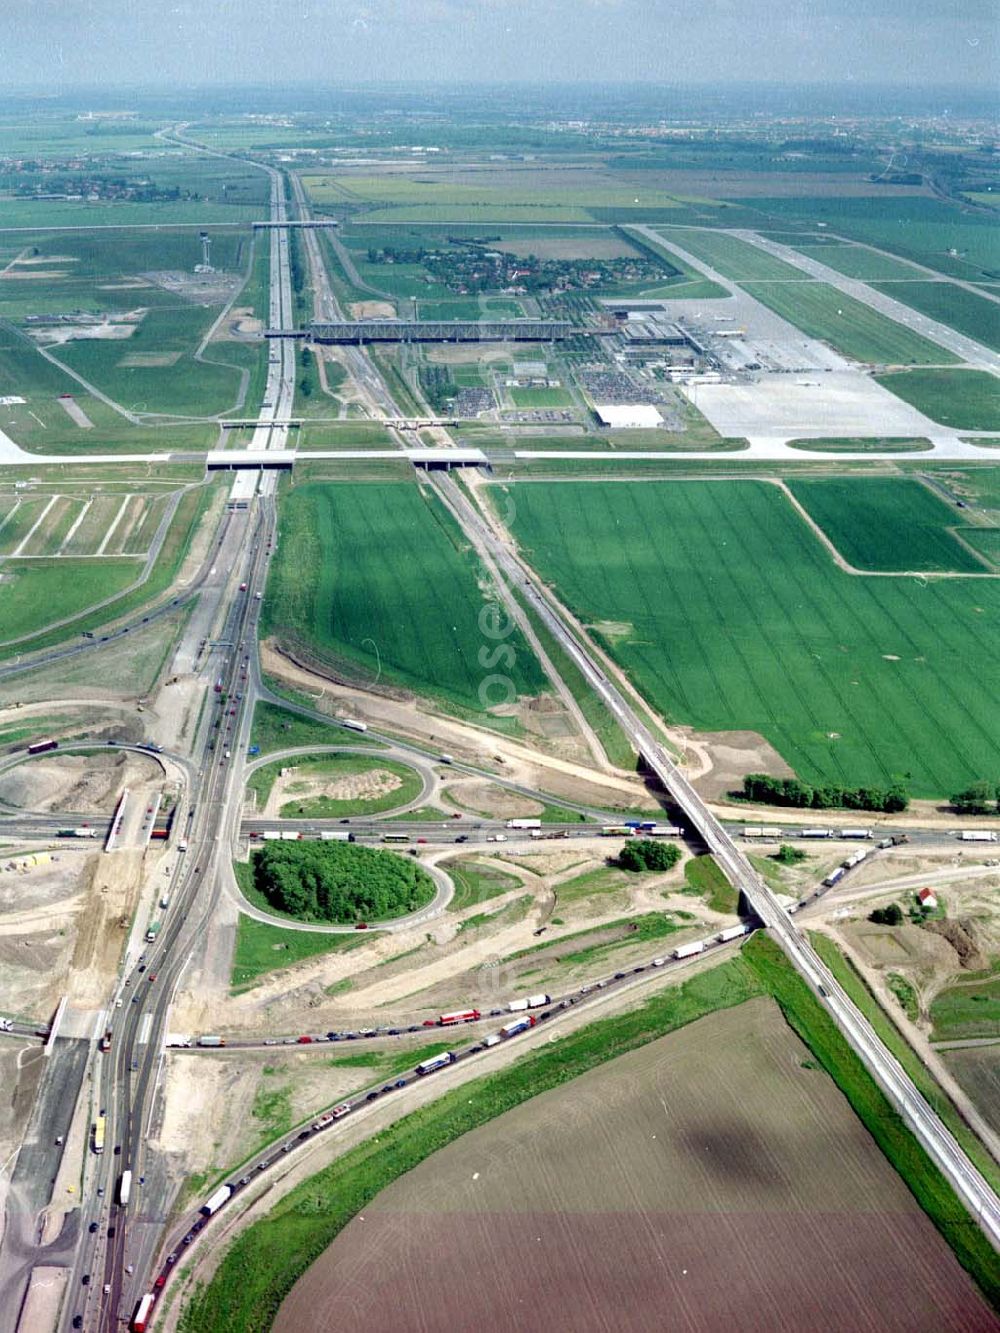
[[78, 1321], [92, 1228], [85, 1280], [305, 1041]]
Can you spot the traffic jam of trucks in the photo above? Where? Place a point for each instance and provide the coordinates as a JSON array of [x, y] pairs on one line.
[[525, 1020]]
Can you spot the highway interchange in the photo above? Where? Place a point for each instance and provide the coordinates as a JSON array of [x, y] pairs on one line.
[[120, 1256]]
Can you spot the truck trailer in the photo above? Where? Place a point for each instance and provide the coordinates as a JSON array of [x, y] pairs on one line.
[[211, 1041], [336, 835], [140, 1320], [689, 950], [977, 835], [732, 933], [353, 725], [458, 1016], [436, 1062], [524, 823], [215, 1201], [124, 1188], [518, 1025]]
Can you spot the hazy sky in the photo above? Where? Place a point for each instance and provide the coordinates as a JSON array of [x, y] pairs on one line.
[[61, 43]]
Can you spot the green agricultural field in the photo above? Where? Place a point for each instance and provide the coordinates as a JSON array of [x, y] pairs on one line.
[[851, 328], [969, 1009], [378, 581], [961, 399], [885, 523], [942, 236], [984, 540], [733, 258], [976, 316], [728, 613]]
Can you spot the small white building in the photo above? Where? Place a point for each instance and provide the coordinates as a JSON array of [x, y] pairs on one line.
[[927, 899], [628, 416]]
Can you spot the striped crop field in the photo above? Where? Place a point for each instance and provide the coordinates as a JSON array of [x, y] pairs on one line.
[[729, 613], [887, 523], [378, 581]]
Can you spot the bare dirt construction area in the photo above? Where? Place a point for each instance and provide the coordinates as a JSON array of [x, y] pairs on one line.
[[732, 755], [636, 1199], [39, 910], [484, 798], [369, 786], [372, 310], [76, 783], [216, 1110], [21, 1067]]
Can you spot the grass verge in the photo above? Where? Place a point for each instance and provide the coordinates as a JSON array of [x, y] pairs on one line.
[[277, 728], [702, 875]]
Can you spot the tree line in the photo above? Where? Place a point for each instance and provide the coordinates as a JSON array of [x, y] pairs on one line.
[[978, 798], [767, 790]]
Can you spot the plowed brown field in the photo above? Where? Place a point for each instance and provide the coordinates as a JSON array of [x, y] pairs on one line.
[[710, 1181]]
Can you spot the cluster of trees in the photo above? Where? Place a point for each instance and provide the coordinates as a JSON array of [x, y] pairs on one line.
[[802, 795], [887, 916], [979, 798], [648, 854], [787, 855], [339, 882]]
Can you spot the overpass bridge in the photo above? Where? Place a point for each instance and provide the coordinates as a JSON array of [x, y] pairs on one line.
[[437, 460], [312, 224], [362, 331]]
